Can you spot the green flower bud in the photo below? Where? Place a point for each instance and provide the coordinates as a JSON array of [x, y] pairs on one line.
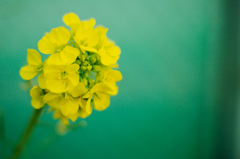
[[90, 82], [85, 63], [83, 68], [92, 60], [87, 58], [89, 68], [83, 57], [78, 62], [96, 68], [85, 74], [99, 78], [84, 81]]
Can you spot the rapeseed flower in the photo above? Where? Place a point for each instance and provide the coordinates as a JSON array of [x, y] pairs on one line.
[[80, 73]]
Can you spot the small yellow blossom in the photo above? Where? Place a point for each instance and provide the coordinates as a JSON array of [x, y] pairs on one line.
[[37, 97], [74, 22], [86, 38], [61, 78], [54, 41], [108, 51], [35, 65]]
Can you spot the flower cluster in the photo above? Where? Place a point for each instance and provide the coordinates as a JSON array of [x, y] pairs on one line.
[[79, 73]]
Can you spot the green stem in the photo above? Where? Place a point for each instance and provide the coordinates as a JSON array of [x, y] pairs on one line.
[[27, 133]]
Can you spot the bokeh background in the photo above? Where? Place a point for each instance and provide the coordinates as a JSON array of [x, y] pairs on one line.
[[179, 97]]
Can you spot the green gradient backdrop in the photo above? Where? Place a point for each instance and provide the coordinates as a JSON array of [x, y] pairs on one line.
[[169, 61]]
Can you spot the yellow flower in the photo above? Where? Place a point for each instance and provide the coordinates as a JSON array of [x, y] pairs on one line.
[[58, 115], [107, 50], [35, 65], [110, 78], [86, 38], [68, 102], [101, 96], [54, 41], [72, 20], [37, 97], [61, 78]]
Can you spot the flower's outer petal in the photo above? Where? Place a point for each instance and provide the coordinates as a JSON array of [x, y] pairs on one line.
[[112, 76], [72, 69], [73, 27], [73, 117], [69, 54], [28, 72], [79, 90], [45, 46], [82, 113], [89, 23], [52, 99], [101, 101], [52, 72], [88, 95], [70, 18], [102, 52], [59, 36], [34, 58], [86, 106], [88, 48], [35, 92], [58, 115], [101, 87], [55, 59], [56, 86], [42, 81], [92, 35], [73, 79], [68, 107], [37, 103]]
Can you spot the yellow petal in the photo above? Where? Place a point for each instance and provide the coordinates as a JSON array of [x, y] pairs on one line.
[[37, 103], [28, 72], [46, 46], [73, 79], [68, 107], [101, 87], [88, 48], [72, 69], [112, 76], [55, 59], [70, 18], [56, 86], [101, 101], [35, 92], [69, 54], [86, 106], [52, 99], [89, 23], [59, 36], [34, 58], [82, 113], [42, 81], [79, 90], [73, 117]]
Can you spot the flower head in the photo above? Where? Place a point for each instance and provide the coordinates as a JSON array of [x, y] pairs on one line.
[[79, 74]]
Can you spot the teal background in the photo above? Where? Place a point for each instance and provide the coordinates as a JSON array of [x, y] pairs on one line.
[[166, 105]]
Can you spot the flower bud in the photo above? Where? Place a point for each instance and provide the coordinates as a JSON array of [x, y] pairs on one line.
[[83, 68], [93, 60], [89, 68], [83, 57], [78, 62], [96, 68], [84, 81], [85, 74]]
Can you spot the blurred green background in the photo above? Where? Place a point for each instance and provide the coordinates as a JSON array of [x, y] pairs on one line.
[[178, 96]]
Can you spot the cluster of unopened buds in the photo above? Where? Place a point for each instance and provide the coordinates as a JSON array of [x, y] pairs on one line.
[[80, 72]]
